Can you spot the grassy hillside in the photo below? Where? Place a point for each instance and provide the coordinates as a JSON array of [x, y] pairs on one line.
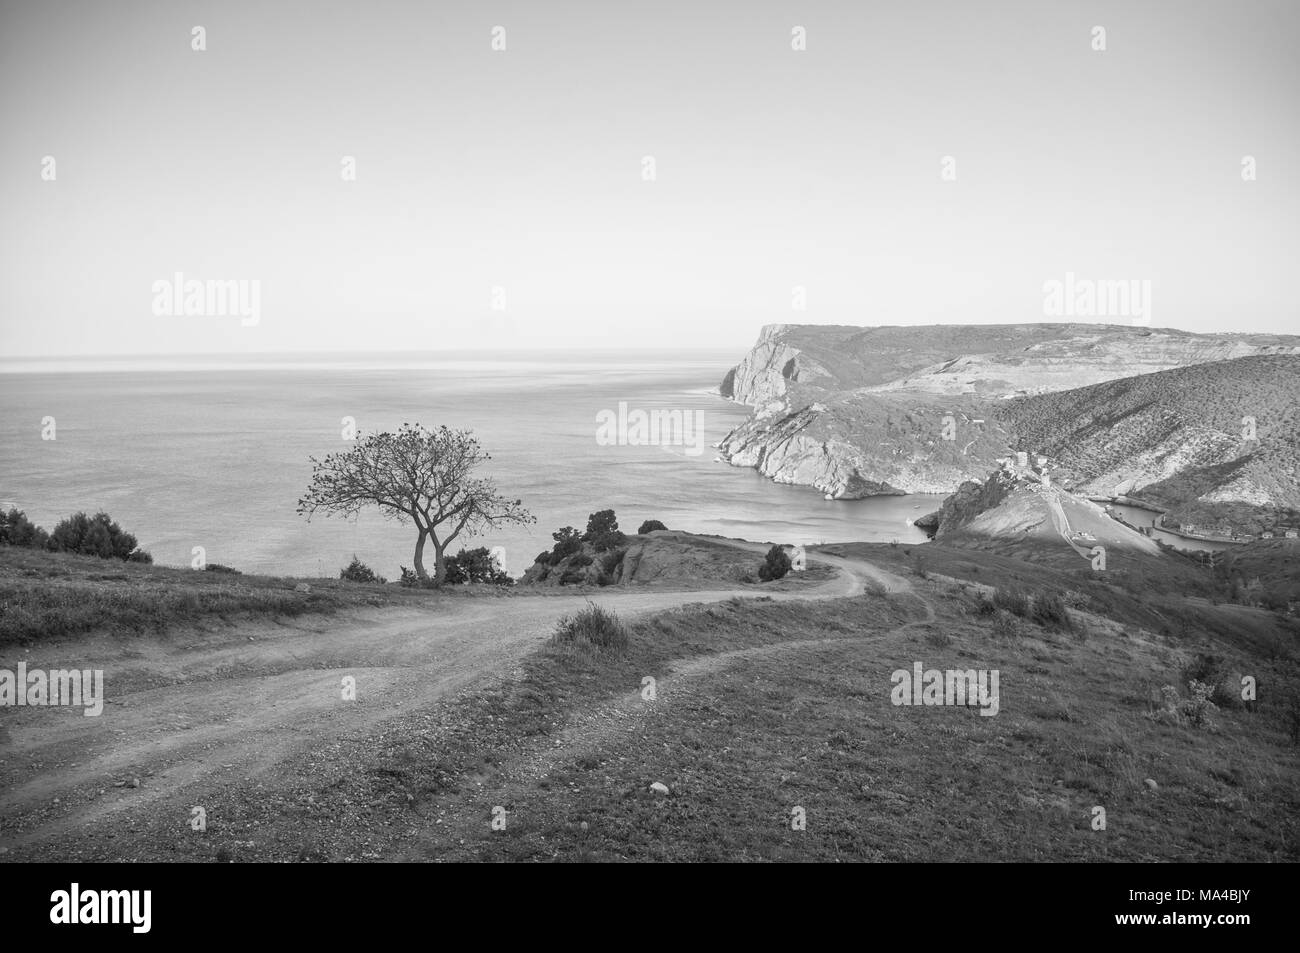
[[50, 595], [764, 708], [766, 711]]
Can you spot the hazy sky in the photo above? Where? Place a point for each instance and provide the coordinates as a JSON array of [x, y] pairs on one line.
[[522, 169]]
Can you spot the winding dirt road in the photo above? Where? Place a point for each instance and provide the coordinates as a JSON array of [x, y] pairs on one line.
[[225, 707]]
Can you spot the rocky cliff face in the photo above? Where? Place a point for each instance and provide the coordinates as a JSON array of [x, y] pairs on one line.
[[762, 376], [869, 445], [859, 412]]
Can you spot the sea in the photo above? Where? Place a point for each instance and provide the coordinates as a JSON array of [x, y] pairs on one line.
[[210, 457]]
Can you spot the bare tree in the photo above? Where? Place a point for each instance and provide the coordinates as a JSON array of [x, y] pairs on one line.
[[424, 476]]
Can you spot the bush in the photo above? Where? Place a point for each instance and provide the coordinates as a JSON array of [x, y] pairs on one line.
[[649, 526], [1205, 667], [611, 560], [580, 561], [217, 567], [476, 565], [567, 542], [1048, 610], [96, 535], [1006, 625], [594, 627], [411, 580], [17, 530], [1197, 709], [776, 565], [1012, 600], [357, 571], [602, 531]]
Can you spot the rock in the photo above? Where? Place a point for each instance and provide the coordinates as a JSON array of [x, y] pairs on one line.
[[659, 788], [1151, 784], [135, 782]]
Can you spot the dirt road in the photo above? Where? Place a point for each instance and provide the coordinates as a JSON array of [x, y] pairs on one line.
[[228, 706]]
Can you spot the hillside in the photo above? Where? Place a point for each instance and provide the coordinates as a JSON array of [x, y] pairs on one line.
[[858, 412], [741, 710], [1176, 438]]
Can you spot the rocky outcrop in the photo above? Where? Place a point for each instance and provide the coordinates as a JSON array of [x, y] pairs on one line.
[[971, 499], [868, 445]]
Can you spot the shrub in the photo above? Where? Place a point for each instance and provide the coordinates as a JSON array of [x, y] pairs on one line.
[[1197, 709], [611, 560], [602, 531], [1205, 667], [1012, 600], [594, 627], [649, 526], [776, 565], [476, 565], [567, 542], [1293, 721], [17, 530], [411, 580], [217, 567], [96, 535], [1006, 625], [357, 571], [1048, 610], [580, 561]]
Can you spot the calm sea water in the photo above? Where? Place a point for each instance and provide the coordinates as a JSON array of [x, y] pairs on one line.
[[200, 456]]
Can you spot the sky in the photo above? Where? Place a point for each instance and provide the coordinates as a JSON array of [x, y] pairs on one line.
[[501, 196]]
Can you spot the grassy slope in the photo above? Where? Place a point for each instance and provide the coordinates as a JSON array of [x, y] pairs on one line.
[[567, 740], [46, 595], [51, 595], [813, 727]]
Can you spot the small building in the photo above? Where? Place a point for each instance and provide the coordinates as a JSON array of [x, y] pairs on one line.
[[1292, 534], [1265, 535], [798, 558]]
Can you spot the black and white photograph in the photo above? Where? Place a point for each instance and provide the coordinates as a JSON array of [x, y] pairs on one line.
[[782, 431]]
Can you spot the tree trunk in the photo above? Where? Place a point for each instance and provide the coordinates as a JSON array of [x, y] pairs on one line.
[[439, 566], [419, 555]]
